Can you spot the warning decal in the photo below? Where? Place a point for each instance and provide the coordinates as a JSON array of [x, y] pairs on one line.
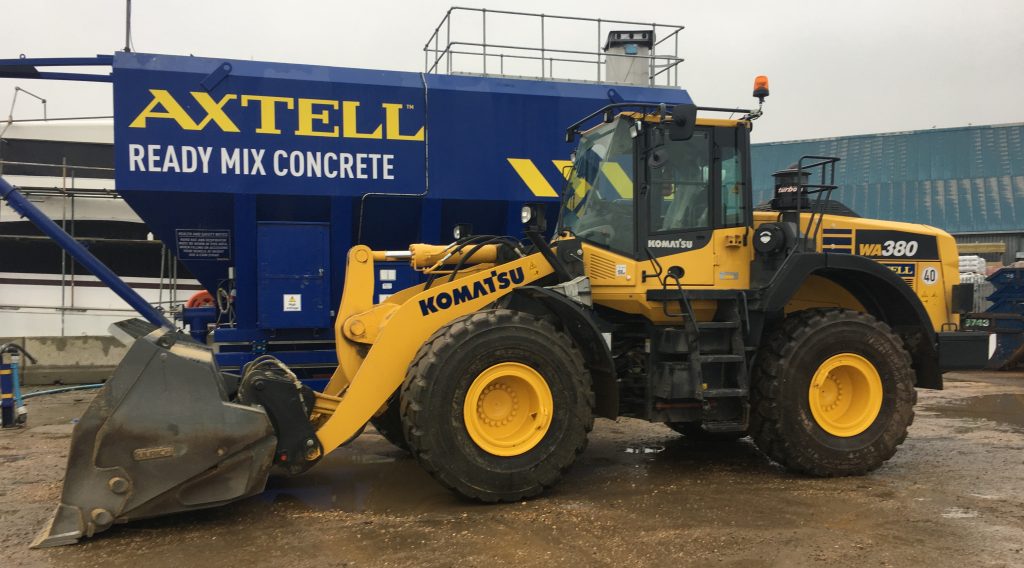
[[293, 302]]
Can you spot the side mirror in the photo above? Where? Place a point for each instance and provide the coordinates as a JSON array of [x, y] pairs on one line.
[[684, 118]]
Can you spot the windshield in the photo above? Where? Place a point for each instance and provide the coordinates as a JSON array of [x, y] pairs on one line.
[[597, 205]]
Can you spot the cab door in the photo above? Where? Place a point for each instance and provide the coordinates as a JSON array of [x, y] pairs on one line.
[[732, 206], [696, 205]]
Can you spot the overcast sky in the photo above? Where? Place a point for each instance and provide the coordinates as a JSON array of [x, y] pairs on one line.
[[836, 68]]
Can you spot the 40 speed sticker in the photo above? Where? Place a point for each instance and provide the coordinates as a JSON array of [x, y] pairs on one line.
[[930, 275]]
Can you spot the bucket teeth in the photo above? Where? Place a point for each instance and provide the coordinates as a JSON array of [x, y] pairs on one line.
[[160, 437]]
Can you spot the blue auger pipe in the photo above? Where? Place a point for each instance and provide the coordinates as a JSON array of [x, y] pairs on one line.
[[65, 241]]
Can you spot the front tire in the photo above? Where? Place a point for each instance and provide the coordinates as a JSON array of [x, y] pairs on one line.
[[497, 405], [833, 393]]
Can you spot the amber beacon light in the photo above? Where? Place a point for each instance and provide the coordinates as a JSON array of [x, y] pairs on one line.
[[761, 87]]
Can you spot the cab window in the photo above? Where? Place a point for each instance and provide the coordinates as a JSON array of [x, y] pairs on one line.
[[680, 196], [733, 212]]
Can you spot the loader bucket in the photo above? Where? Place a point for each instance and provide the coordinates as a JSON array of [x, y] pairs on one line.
[[160, 437]]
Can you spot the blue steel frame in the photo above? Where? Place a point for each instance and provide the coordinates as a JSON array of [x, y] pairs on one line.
[[26, 68]]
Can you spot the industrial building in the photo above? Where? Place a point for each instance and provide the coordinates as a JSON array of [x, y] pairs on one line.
[[968, 181]]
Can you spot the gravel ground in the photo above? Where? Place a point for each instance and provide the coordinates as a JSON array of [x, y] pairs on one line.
[[640, 495]]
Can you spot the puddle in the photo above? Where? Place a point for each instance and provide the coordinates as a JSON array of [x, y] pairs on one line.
[[358, 481], [958, 513], [1003, 408], [639, 449]]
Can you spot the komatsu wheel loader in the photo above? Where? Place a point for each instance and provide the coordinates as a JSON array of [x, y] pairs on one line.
[[665, 295]]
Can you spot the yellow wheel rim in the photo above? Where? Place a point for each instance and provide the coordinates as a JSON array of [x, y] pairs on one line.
[[508, 409], [845, 395]]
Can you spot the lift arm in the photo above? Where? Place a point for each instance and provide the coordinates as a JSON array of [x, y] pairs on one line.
[[411, 317]]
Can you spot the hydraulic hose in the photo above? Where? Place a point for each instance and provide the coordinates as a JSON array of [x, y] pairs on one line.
[[61, 389]]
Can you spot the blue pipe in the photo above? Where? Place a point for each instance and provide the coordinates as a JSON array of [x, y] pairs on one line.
[[65, 241], [15, 374], [71, 388]]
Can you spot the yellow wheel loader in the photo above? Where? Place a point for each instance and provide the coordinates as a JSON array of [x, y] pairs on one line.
[[665, 295]]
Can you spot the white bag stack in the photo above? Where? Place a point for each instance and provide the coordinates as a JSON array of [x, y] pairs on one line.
[[972, 264], [972, 270]]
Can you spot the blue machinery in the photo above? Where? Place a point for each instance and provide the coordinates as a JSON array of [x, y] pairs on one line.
[[260, 176], [12, 409]]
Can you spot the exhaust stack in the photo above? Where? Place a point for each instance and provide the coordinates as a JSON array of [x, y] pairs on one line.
[[628, 57]]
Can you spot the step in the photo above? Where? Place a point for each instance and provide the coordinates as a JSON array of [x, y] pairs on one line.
[[725, 426], [722, 358], [724, 393], [718, 325]]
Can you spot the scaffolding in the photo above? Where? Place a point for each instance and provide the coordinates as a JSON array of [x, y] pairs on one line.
[[70, 194]]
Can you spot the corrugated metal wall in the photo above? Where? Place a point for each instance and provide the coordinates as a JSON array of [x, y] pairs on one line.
[[963, 180], [1014, 245]]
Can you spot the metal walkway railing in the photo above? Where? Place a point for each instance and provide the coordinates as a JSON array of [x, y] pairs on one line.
[[449, 51]]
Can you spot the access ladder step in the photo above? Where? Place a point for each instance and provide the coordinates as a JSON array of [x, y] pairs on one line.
[[725, 426], [718, 325], [722, 359], [724, 393]]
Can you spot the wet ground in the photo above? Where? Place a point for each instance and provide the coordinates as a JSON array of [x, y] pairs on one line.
[[641, 495]]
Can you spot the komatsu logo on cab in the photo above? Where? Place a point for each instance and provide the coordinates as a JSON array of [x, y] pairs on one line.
[[312, 117], [496, 281]]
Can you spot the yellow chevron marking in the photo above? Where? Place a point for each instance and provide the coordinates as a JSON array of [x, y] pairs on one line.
[[564, 166], [532, 177], [579, 185], [620, 181]]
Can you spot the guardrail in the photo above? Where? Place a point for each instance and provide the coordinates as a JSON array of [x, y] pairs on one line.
[[438, 57]]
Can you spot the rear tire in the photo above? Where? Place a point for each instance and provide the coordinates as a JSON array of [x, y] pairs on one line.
[[475, 455], [861, 403]]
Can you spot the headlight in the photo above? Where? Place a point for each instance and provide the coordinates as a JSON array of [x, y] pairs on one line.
[[462, 230], [526, 215]]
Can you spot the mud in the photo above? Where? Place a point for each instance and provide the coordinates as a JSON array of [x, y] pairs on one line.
[[640, 495]]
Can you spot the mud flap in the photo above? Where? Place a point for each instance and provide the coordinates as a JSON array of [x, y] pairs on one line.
[[161, 437]]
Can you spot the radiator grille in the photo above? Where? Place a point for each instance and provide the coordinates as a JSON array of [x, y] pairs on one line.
[[601, 267]]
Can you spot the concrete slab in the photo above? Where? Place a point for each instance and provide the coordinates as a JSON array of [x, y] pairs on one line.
[[69, 360]]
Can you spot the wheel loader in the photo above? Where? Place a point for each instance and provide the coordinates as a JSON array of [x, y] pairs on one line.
[[666, 294]]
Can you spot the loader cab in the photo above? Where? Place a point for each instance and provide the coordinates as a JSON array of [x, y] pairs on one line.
[[637, 190]]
